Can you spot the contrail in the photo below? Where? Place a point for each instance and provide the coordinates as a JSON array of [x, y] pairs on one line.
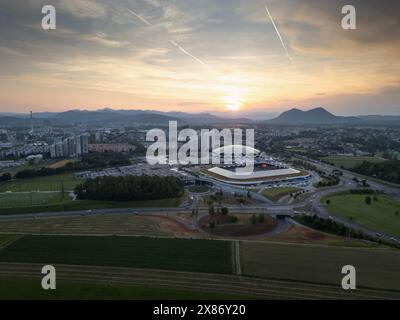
[[279, 35], [148, 23], [141, 18], [189, 54]]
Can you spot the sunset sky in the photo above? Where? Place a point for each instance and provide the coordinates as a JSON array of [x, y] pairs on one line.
[[200, 55]]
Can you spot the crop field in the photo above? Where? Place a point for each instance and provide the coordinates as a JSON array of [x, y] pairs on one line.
[[115, 224], [137, 252], [382, 215], [349, 162], [29, 289], [376, 268], [26, 199], [4, 238], [48, 183], [274, 194]]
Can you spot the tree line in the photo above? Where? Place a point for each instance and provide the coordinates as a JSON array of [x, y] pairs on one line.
[[387, 170], [130, 188], [330, 226]]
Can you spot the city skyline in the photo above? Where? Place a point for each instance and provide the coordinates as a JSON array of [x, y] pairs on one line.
[[200, 56]]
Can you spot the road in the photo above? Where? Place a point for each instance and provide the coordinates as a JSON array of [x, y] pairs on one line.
[[264, 206]]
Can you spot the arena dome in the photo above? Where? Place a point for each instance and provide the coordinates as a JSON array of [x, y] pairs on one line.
[[236, 149]]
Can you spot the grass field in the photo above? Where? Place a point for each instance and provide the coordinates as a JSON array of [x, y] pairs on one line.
[[137, 252], [198, 189], [29, 289], [48, 183], [275, 194], [379, 215], [92, 205], [15, 200], [350, 162], [4, 238], [376, 268]]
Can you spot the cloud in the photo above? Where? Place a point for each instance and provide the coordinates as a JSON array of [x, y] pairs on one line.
[[83, 8]]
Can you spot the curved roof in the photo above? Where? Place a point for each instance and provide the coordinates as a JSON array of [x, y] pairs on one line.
[[236, 148]]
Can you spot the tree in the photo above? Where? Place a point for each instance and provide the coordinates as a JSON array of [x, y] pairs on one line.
[[328, 201], [368, 200], [211, 210], [224, 211], [5, 176], [396, 213], [375, 198]]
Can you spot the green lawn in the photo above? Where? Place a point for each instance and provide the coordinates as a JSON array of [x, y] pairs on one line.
[[379, 215], [275, 194], [137, 252], [48, 183], [350, 162], [16, 199], [31, 289], [376, 268], [69, 205]]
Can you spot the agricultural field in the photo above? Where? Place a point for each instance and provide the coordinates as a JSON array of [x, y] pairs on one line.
[[274, 194], [349, 162], [29, 289], [26, 199], [5, 238], [376, 268], [47, 183], [115, 224], [136, 252], [382, 215]]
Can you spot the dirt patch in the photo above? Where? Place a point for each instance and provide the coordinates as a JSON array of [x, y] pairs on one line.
[[242, 228], [173, 225], [303, 235], [59, 164]]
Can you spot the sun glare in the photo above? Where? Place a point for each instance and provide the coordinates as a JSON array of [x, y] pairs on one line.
[[232, 102]]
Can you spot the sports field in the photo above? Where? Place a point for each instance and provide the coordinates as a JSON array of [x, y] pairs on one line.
[[274, 194], [349, 162], [26, 199], [48, 183], [135, 252], [382, 215]]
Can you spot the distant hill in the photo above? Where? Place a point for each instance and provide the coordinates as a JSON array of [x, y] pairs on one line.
[[153, 117], [143, 117], [313, 116], [110, 116]]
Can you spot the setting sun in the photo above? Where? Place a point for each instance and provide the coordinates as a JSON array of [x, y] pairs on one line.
[[233, 102]]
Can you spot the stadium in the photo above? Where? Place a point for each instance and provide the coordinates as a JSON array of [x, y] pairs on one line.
[[266, 170]]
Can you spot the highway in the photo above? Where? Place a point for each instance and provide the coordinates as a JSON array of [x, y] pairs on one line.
[[264, 205]]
